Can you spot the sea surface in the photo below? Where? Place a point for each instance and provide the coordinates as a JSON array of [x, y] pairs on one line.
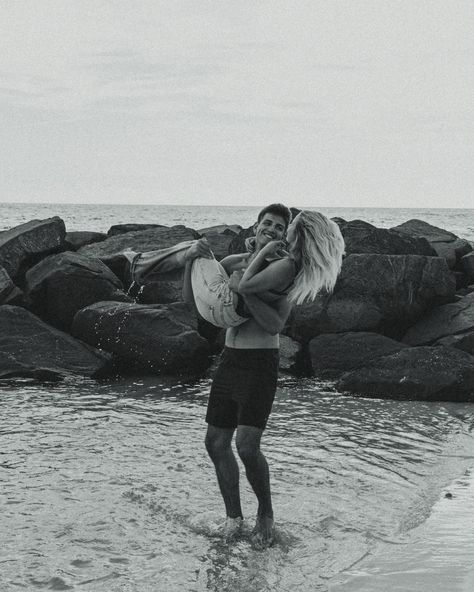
[[100, 217], [106, 486]]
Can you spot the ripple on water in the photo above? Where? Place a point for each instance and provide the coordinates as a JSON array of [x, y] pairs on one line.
[[107, 485]]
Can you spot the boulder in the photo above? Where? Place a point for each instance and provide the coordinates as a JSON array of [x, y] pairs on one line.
[[450, 319], [237, 244], [29, 348], [231, 229], [467, 265], [77, 239], [445, 243], [26, 244], [333, 354], [9, 293], [424, 373], [62, 284], [362, 237], [376, 293], [153, 338], [290, 355], [159, 237], [220, 238], [464, 341], [124, 228]]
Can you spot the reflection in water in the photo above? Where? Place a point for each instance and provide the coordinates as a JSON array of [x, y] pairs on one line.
[[107, 487]]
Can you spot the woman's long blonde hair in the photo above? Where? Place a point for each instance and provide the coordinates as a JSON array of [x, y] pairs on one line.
[[317, 248]]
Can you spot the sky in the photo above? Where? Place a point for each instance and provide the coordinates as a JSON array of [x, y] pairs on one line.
[[331, 103]]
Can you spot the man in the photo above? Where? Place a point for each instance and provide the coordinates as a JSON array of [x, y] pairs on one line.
[[244, 385]]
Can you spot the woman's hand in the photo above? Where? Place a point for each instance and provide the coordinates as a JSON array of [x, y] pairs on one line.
[[274, 250], [200, 248]]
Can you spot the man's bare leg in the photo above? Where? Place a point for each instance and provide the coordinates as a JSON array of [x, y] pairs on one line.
[[258, 474], [219, 447]]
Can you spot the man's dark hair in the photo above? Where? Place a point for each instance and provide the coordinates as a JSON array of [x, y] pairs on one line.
[[277, 209]]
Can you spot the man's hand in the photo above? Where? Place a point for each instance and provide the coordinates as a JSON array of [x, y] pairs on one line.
[[200, 248], [234, 280]]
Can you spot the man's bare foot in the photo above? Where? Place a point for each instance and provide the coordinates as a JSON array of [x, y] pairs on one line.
[[232, 527], [263, 533]]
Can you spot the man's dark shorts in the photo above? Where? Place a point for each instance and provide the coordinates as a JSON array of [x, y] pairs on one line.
[[243, 388]]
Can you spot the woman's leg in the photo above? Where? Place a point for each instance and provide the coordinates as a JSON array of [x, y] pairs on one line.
[[214, 299]]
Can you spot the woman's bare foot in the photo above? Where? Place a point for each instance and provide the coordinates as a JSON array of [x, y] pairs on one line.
[[263, 533]]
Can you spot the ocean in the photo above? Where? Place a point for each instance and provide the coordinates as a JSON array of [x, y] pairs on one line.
[[106, 486], [100, 217]]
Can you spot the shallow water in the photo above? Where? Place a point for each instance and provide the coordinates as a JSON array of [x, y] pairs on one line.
[[107, 487]]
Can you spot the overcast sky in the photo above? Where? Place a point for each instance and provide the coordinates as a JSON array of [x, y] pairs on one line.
[[329, 103]]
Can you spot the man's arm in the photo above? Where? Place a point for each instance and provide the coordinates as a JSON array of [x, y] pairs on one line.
[[270, 318]]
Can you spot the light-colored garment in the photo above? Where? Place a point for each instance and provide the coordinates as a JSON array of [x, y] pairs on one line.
[[213, 298]]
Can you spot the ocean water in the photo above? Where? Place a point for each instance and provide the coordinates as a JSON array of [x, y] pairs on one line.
[[106, 486], [100, 217]]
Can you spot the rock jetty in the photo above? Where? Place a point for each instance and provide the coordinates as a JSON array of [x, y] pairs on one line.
[[400, 322]]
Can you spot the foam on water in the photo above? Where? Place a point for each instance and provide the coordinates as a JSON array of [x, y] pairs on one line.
[[107, 487]]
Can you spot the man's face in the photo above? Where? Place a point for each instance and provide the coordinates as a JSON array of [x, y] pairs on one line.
[[271, 227]]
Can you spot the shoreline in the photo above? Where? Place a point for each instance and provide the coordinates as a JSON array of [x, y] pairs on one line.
[[433, 557]]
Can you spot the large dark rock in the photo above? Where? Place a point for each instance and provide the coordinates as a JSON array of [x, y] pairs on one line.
[[124, 228], [425, 373], [9, 293], [291, 355], [362, 237], [26, 244], [464, 341], [237, 244], [445, 243], [333, 354], [467, 266], [159, 237], [220, 238], [450, 319], [77, 239], [376, 293], [62, 284], [156, 338], [31, 348]]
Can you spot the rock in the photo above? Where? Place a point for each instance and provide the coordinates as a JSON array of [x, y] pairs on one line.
[[153, 338], [467, 265], [9, 293], [109, 251], [450, 319], [422, 373], [461, 279], [220, 238], [464, 341], [30, 348], [445, 243], [26, 244], [124, 228], [231, 229], [62, 284], [290, 355], [333, 354], [237, 244], [376, 293], [162, 288], [76, 240], [362, 237]]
